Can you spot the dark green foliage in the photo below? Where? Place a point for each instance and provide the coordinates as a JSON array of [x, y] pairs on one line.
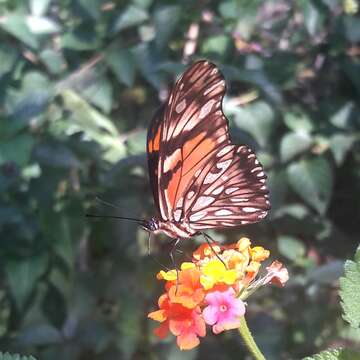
[[80, 81]]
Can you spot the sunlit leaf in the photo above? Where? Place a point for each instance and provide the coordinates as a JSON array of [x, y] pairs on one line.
[[39, 7], [16, 25], [293, 144], [349, 290], [336, 354], [8, 356]]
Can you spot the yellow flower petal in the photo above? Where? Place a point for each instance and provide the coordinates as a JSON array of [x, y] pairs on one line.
[[166, 275], [230, 277], [243, 244], [207, 282], [258, 253], [254, 266], [187, 265]]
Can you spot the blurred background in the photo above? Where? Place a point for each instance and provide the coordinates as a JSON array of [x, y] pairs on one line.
[[80, 81]]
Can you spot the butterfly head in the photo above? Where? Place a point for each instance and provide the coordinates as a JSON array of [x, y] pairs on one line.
[[151, 225]]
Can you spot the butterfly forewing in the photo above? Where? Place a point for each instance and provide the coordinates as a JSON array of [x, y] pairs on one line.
[[198, 176]]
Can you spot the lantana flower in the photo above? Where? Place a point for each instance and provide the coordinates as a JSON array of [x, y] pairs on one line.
[[211, 289], [223, 311]]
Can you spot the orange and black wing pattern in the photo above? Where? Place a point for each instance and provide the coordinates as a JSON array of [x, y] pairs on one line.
[[194, 168]]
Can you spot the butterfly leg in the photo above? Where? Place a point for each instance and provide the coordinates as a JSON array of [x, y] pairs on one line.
[[208, 238], [153, 257], [173, 260]]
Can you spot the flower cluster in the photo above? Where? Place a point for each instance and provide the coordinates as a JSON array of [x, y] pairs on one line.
[[211, 290]]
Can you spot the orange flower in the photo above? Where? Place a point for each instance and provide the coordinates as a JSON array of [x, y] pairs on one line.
[[186, 324], [205, 251], [188, 292]]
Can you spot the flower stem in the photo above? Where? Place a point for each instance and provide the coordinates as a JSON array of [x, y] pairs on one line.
[[249, 340]]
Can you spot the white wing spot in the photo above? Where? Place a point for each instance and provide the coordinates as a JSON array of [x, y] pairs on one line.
[[263, 187], [212, 87], [250, 209], [262, 180], [197, 173], [177, 214], [256, 169], [224, 150], [197, 216], [251, 156], [223, 212], [180, 107], [170, 160], [210, 178], [229, 191], [190, 194], [260, 174], [202, 202], [214, 71], [262, 215], [224, 164], [180, 202], [235, 200], [256, 161], [205, 110], [224, 177], [218, 190]]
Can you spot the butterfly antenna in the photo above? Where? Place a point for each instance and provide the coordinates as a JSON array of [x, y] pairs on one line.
[[101, 201], [139, 221]]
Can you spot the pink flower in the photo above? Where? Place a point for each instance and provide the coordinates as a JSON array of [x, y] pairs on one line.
[[277, 274], [223, 311]]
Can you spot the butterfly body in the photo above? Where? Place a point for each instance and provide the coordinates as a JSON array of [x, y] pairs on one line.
[[200, 179]]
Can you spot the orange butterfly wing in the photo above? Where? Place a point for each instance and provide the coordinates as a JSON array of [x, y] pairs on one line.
[[188, 143]]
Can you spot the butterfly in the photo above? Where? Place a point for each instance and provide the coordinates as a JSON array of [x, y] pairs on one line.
[[200, 180]]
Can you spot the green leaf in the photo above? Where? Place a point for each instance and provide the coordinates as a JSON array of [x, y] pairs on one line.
[[256, 118], [122, 63], [147, 58], [53, 60], [350, 290], [40, 335], [290, 247], [166, 19], [218, 44], [335, 354], [22, 275], [313, 17], [8, 56], [95, 125], [39, 7], [340, 145], [22, 143], [42, 25], [298, 121], [131, 16], [312, 180], [293, 144], [343, 116], [8, 356], [16, 25]]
